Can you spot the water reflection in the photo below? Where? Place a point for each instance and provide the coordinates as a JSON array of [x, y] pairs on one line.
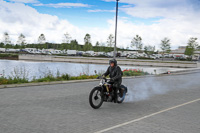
[[39, 69]]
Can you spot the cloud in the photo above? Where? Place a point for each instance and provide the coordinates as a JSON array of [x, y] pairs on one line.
[[24, 1], [19, 18], [178, 22], [63, 5], [57, 5], [178, 32], [109, 0], [99, 10], [157, 8]]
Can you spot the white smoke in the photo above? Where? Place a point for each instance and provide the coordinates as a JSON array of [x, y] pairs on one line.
[[145, 89]]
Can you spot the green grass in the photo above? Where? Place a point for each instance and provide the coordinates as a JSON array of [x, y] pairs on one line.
[[64, 77], [2, 55], [47, 78], [10, 80]]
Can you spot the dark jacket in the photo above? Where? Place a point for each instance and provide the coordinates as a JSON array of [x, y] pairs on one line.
[[114, 73]]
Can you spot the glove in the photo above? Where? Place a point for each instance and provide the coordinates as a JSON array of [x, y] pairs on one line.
[[111, 80]]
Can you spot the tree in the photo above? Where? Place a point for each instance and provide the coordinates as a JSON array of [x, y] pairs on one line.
[[110, 40], [137, 43], [192, 45], [1, 45], [67, 38], [149, 50], [97, 43], [87, 40], [193, 42], [6, 39], [41, 39], [74, 45], [165, 45], [198, 48], [97, 47], [102, 44], [189, 51], [21, 40]]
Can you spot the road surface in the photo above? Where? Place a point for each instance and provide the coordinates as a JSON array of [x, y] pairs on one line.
[[167, 104]]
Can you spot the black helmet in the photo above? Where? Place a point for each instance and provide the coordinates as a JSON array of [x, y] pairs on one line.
[[113, 61]]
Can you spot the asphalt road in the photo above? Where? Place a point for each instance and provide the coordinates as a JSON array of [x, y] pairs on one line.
[[167, 104]]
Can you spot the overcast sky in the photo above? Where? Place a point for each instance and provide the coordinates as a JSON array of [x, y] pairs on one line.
[[151, 19]]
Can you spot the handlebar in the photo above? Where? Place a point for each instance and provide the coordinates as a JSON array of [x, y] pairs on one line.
[[106, 80], [102, 77]]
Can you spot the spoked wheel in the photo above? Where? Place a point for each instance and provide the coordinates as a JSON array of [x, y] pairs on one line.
[[121, 95], [95, 98]]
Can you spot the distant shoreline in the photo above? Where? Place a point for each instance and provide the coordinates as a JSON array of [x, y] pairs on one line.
[[9, 56], [97, 60], [92, 60]]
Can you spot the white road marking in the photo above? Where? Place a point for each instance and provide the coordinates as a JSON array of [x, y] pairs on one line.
[[147, 116]]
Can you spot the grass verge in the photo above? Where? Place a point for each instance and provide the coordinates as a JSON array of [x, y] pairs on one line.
[[63, 77]]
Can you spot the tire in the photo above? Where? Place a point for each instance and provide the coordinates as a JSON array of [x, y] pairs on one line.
[[121, 95], [95, 95]]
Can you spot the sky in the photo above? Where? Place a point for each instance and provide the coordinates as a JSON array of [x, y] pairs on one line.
[[153, 20]]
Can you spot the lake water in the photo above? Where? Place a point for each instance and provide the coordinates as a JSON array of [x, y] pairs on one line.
[[39, 69]]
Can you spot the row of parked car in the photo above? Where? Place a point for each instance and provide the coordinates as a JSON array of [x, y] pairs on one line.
[[143, 55], [128, 54], [54, 52], [172, 56]]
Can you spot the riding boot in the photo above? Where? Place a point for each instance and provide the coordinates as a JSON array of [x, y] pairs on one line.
[[115, 96], [116, 87]]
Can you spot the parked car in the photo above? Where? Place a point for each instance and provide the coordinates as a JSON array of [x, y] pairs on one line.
[[152, 57], [132, 56], [2, 50], [166, 55], [71, 52]]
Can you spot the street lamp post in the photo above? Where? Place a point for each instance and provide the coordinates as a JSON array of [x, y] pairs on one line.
[[116, 29]]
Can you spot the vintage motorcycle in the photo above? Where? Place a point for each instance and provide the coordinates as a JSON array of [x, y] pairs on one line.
[[105, 93]]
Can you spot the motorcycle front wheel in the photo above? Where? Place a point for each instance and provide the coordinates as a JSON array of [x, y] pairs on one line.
[[95, 98]]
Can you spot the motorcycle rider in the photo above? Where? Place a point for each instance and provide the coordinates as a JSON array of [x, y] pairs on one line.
[[115, 74]]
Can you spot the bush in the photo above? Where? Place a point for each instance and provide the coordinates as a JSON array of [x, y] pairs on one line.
[[10, 80], [16, 79], [3, 81], [134, 72], [183, 59], [83, 77], [47, 78], [8, 55], [65, 77]]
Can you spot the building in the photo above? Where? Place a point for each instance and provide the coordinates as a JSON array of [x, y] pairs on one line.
[[180, 50]]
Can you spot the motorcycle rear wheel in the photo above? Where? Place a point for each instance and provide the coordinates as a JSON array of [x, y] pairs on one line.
[[95, 98]]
